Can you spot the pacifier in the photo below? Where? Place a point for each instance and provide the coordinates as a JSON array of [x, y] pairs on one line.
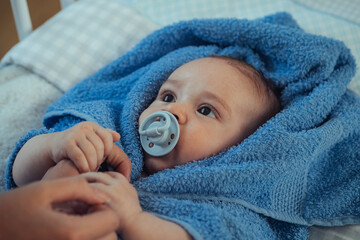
[[159, 133]]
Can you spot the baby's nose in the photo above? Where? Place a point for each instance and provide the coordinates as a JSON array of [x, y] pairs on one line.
[[176, 116], [178, 110]]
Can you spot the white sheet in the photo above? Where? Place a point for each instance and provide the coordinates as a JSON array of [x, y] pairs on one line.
[[24, 97], [80, 40]]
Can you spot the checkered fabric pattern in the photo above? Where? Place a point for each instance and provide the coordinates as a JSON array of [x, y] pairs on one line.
[[80, 40], [346, 9], [311, 19], [89, 34]]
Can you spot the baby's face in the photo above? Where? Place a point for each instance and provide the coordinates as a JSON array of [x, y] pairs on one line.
[[216, 107]]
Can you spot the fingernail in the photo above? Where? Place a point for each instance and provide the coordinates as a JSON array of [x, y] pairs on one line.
[[117, 134]]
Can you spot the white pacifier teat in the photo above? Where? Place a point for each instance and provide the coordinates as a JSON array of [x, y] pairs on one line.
[[159, 133]]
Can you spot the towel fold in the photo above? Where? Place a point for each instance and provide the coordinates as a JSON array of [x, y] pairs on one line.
[[299, 169]]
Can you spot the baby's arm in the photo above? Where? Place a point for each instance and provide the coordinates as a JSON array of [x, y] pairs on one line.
[[148, 226], [86, 145], [134, 222], [33, 159]]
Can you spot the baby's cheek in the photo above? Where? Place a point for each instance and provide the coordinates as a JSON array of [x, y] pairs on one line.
[[193, 149], [143, 115]]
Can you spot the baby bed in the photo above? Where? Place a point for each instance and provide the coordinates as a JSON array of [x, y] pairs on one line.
[[90, 33]]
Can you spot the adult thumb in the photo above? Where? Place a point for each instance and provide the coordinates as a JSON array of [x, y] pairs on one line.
[[72, 188], [119, 161]]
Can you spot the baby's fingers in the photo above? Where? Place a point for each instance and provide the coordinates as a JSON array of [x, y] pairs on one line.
[[108, 137], [97, 144], [95, 151], [78, 158], [115, 135], [90, 152]]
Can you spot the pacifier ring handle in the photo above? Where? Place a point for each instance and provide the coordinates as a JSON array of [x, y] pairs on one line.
[[159, 130]]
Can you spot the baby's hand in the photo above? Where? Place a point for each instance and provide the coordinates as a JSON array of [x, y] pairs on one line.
[[86, 144], [122, 196]]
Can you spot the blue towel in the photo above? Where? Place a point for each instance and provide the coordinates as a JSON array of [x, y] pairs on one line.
[[301, 168]]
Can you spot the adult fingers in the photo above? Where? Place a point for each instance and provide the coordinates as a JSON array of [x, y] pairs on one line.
[[117, 176], [111, 236], [72, 207], [87, 226], [120, 161], [71, 188], [99, 177]]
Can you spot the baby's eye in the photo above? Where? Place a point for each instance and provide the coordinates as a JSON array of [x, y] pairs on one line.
[[169, 98], [206, 111]]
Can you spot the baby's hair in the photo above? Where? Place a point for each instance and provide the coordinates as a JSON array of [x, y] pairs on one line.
[[263, 85]]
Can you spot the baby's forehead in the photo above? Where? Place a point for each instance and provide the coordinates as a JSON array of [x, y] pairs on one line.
[[212, 75], [215, 71]]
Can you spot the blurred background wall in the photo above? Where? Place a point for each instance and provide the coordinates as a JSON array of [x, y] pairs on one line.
[[40, 11]]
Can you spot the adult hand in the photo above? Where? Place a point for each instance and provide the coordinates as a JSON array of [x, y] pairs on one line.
[[119, 161], [28, 213]]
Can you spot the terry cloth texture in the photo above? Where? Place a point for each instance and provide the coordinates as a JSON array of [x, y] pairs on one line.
[[298, 169]]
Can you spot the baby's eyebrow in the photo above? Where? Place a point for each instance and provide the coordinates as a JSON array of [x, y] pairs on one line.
[[218, 99], [173, 82]]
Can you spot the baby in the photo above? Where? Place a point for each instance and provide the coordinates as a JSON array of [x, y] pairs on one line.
[[217, 101]]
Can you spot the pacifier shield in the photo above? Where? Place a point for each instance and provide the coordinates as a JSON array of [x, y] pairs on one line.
[[159, 133]]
